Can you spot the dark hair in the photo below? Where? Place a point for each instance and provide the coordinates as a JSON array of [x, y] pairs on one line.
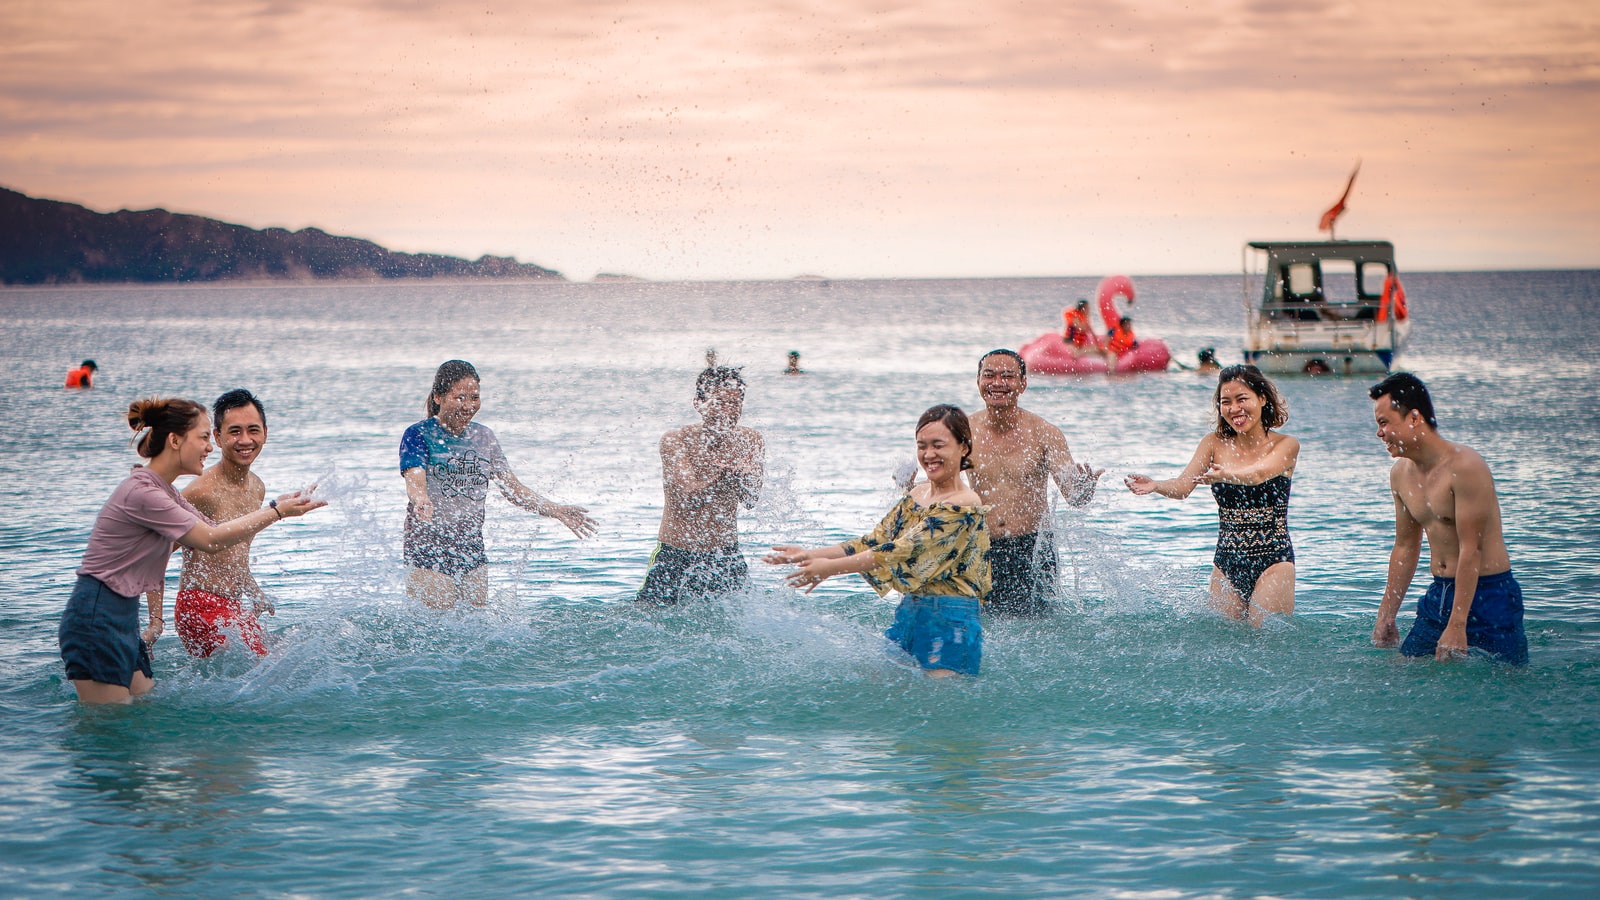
[[715, 378], [1002, 352], [1406, 392], [89, 364], [234, 399], [1274, 411], [445, 377], [1208, 354], [954, 419], [164, 416]]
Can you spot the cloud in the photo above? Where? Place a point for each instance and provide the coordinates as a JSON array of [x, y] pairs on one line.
[[582, 135]]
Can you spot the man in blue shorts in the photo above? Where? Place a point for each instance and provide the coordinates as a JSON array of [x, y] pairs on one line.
[[1444, 490]]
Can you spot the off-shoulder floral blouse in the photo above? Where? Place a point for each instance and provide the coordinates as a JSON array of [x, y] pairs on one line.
[[936, 549]]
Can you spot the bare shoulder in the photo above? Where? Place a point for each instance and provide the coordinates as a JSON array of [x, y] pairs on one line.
[[1289, 444], [1403, 472], [967, 497], [674, 437], [202, 492], [749, 435], [258, 488], [1467, 463]]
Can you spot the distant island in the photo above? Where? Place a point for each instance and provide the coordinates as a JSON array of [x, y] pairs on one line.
[[50, 242]]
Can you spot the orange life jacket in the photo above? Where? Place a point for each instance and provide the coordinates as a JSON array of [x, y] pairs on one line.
[[1121, 340], [1075, 327], [81, 377]]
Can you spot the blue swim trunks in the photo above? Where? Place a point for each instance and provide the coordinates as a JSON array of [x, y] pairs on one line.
[[940, 632], [1494, 623]]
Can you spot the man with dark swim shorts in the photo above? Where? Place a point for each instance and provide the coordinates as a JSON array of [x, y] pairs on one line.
[[214, 588], [1444, 491], [1015, 456], [707, 470]]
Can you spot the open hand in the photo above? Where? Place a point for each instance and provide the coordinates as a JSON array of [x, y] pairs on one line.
[[576, 519]]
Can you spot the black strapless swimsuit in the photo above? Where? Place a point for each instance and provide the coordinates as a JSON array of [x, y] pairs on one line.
[[1252, 530]]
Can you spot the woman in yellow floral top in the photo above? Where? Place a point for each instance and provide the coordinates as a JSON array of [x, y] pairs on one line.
[[930, 547]]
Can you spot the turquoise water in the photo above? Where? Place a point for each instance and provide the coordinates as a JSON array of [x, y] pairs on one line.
[[564, 741]]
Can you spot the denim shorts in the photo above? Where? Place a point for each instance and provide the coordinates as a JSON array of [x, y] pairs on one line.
[[939, 632], [99, 635]]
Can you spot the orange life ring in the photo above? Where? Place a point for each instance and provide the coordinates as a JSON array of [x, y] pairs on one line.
[[1394, 297]]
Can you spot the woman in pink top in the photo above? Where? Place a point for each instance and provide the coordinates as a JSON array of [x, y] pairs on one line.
[[108, 659]]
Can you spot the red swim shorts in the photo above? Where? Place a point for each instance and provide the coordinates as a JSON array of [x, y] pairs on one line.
[[201, 616]]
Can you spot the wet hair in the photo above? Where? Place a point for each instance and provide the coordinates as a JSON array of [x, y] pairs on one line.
[[954, 419], [1274, 411], [445, 378], [1001, 351], [1406, 392], [1082, 301], [1208, 355], [235, 399], [90, 365], [163, 416], [715, 378]]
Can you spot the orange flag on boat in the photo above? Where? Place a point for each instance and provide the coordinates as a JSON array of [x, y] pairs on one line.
[[1337, 210]]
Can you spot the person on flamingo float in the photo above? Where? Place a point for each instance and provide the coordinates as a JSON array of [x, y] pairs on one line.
[[448, 462], [1250, 468], [1076, 329], [930, 547], [107, 657]]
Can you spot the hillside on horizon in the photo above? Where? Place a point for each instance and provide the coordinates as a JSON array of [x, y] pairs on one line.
[[46, 241]]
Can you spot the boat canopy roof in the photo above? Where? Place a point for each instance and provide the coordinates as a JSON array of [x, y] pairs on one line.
[[1285, 252]]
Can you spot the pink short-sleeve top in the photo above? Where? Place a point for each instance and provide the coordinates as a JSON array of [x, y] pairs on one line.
[[132, 537]]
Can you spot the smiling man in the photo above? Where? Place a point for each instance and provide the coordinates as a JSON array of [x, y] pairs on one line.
[[1015, 456], [1444, 490], [214, 586]]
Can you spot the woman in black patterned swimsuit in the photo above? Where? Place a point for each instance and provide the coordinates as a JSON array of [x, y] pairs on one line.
[[1250, 468]]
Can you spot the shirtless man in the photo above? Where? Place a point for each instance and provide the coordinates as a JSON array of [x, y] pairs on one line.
[[214, 586], [707, 470], [1444, 490], [1015, 455]]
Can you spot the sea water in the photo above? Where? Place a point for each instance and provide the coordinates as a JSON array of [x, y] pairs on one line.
[[564, 741]]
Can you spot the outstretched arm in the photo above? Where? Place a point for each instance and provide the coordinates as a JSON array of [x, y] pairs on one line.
[[1402, 568], [574, 517], [1075, 480], [1184, 484], [209, 538]]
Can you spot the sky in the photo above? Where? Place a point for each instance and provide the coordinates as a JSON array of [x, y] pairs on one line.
[[709, 139]]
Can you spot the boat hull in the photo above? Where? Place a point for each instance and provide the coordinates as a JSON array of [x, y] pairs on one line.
[[1048, 354], [1321, 362]]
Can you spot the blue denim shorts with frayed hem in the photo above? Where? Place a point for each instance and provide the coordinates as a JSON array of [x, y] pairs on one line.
[[939, 632]]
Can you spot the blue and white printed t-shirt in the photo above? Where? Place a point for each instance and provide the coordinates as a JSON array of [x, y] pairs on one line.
[[459, 468]]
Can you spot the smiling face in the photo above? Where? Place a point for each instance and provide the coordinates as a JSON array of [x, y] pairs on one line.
[[1000, 381], [241, 435], [1239, 406], [458, 405], [1398, 431], [192, 448], [938, 451]]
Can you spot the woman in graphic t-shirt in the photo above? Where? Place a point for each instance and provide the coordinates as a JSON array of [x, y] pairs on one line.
[[448, 461], [107, 657]]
